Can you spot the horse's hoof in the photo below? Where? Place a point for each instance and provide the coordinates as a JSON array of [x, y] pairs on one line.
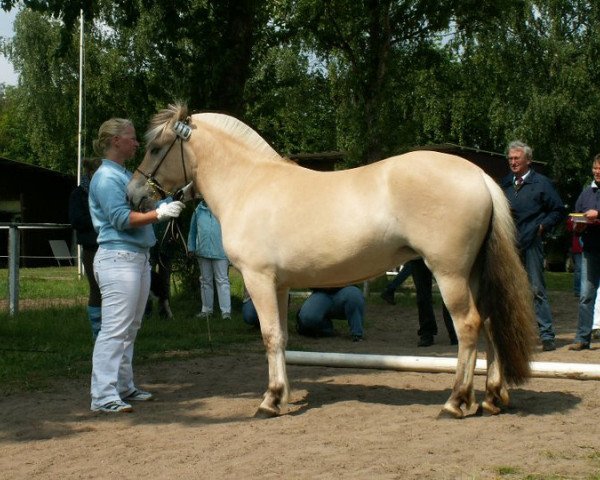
[[264, 412], [490, 408], [451, 411]]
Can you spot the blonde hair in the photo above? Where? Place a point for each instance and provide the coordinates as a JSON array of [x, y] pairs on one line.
[[107, 130]]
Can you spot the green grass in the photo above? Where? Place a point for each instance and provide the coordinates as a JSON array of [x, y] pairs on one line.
[[559, 281], [50, 337]]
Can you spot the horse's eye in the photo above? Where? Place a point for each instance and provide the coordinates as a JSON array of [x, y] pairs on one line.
[[154, 150]]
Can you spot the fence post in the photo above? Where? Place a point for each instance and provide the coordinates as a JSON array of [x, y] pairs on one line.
[[13, 269]]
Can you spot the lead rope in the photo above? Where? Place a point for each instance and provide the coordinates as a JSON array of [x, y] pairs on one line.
[[173, 230]]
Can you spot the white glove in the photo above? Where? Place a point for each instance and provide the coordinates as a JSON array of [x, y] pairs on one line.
[[166, 211]]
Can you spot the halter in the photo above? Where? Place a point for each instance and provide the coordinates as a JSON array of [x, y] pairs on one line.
[[172, 231], [183, 132]]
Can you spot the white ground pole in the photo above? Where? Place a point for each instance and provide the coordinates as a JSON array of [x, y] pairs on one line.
[[573, 371]]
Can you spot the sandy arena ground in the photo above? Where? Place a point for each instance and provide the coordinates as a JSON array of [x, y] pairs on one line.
[[341, 423]]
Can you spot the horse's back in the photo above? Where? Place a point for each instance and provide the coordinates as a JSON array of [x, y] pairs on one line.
[[358, 222]]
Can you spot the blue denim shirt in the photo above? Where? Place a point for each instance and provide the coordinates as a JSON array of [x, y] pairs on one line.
[[110, 211], [536, 203], [205, 238]]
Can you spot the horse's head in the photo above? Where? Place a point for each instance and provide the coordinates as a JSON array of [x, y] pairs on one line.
[[169, 163]]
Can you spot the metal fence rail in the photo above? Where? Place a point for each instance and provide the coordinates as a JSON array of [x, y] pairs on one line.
[[14, 257]]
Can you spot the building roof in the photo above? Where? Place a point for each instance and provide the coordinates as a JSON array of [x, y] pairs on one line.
[[15, 166]]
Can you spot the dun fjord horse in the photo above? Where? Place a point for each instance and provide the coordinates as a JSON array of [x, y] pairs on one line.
[[285, 227]]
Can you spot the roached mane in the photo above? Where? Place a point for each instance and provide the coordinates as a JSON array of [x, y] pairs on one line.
[[242, 132], [164, 120]]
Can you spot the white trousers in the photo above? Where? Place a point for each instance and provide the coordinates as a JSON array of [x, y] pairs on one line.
[[124, 281], [211, 272]]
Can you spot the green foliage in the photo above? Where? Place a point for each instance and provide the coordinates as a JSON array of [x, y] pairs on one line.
[[13, 141], [368, 78], [289, 104]]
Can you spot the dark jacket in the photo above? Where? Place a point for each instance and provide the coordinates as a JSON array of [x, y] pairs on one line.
[[536, 203], [589, 199], [80, 218]]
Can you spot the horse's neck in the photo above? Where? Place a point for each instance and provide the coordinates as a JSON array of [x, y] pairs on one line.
[[226, 169]]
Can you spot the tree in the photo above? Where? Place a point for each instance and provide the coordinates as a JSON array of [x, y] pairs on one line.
[[289, 102], [371, 49], [45, 101], [134, 64], [536, 78]]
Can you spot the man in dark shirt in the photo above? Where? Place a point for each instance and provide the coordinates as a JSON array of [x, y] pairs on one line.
[[588, 203], [537, 209]]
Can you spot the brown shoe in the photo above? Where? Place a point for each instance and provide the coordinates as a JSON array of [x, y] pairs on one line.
[[578, 346], [388, 297], [548, 345]]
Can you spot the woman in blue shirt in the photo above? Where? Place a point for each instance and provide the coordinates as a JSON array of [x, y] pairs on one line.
[[205, 241], [120, 266]]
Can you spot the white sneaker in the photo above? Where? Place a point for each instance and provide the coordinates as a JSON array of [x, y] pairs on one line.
[[139, 396], [115, 406], [203, 314]]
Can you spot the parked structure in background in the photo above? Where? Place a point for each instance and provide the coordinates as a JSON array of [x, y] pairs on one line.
[[32, 194]]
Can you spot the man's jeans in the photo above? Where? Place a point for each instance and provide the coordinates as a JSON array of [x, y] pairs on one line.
[[124, 281], [590, 279], [320, 307], [533, 261]]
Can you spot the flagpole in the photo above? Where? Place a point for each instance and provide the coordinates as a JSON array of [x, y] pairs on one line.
[[79, 128]]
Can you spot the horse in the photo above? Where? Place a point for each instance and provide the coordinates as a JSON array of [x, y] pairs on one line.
[[285, 226]]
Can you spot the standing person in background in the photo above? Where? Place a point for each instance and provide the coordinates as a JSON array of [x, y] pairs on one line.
[[121, 267], [537, 209], [205, 241], [423, 279], [81, 220], [576, 250], [391, 287], [588, 203]]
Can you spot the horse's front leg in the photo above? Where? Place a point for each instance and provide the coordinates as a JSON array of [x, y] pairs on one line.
[[272, 313]]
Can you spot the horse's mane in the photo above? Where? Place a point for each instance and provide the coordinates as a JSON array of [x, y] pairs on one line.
[[240, 131], [163, 120]]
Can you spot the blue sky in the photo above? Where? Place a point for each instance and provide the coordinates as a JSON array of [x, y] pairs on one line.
[[7, 73]]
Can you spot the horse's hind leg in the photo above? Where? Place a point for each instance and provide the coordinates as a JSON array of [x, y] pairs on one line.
[[495, 386], [272, 312], [467, 323]]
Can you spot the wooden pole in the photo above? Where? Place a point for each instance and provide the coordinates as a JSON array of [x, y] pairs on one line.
[[574, 371]]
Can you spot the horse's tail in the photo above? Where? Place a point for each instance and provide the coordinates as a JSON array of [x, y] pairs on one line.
[[505, 294]]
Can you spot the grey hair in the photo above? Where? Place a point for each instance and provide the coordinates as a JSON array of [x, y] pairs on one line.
[[519, 145]]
